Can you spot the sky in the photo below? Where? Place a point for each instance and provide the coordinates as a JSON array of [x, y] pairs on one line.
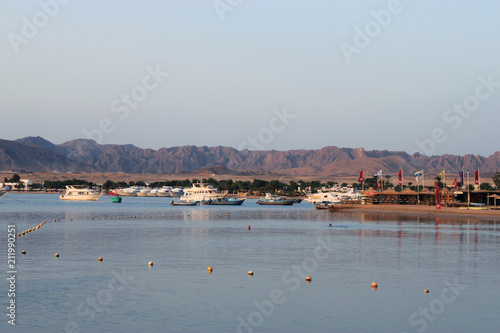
[[254, 74]]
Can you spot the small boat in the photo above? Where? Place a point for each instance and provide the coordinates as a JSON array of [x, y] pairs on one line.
[[80, 193], [322, 205], [116, 199], [297, 201], [224, 201], [185, 203], [275, 200]]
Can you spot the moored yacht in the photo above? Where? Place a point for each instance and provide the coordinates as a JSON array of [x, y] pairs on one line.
[[200, 192], [81, 193], [164, 191]]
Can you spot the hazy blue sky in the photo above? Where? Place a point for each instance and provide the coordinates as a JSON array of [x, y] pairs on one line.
[[290, 74]]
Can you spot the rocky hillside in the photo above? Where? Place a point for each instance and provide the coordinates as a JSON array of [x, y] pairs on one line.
[[39, 155]]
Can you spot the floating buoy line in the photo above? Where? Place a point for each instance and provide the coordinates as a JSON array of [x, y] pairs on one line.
[[250, 273]]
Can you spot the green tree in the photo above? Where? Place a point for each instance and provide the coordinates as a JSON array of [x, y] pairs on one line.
[[485, 186], [496, 180]]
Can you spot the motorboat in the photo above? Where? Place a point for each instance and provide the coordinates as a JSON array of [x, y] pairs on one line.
[[164, 191], [152, 193], [275, 200], [322, 205], [176, 192], [225, 201], [143, 192], [201, 192], [185, 203], [80, 193], [322, 197], [128, 192], [116, 199]]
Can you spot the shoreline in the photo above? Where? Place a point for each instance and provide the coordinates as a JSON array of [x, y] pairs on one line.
[[425, 211]]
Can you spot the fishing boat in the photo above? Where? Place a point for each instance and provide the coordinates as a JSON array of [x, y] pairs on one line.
[[80, 193], [225, 201], [275, 200], [185, 203]]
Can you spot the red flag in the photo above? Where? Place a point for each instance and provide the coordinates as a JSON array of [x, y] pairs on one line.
[[438, 196], [476, 177], [400, 177], [379, 184], [361, 175], [455, 183]]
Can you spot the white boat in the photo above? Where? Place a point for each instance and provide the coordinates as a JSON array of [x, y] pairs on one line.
[[128, 192], [153, 193], [275, 200], [200, 192], [143, 192], [164, 191], [177, 192], [326, 197], [80, 193]]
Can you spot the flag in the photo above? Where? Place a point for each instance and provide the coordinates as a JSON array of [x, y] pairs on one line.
[[400, 177], [461, 174], [379, 184], [379, 174], [438, 196], [442, 176], [418, 174], [476, 177], [361, 174], [455, 183]]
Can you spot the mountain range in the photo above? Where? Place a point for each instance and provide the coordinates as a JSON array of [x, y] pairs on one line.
[[36, 154]]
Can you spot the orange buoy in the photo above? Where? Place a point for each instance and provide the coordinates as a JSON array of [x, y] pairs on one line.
[[330, 225], [426, 291], [56, 255], [308, 278], [210, 269], [374, 284], [249, 228], [150, 263], [100, 259], [23, 252], [250, 273]]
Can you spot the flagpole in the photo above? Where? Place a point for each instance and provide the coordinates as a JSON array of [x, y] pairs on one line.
[[363, 181], [382, 179], [418, 193], [468, 191]]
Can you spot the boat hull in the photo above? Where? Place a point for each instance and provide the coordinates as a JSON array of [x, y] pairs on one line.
[[88, 197], [226, 203], [277, 203], [185, 203]]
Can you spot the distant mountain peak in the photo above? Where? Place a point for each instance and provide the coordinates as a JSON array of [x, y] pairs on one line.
[[39, 155]]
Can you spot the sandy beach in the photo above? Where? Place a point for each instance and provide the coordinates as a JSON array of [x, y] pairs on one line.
[[428, 211]]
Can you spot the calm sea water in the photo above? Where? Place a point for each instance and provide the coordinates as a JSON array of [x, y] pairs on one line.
[[456, 260]]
